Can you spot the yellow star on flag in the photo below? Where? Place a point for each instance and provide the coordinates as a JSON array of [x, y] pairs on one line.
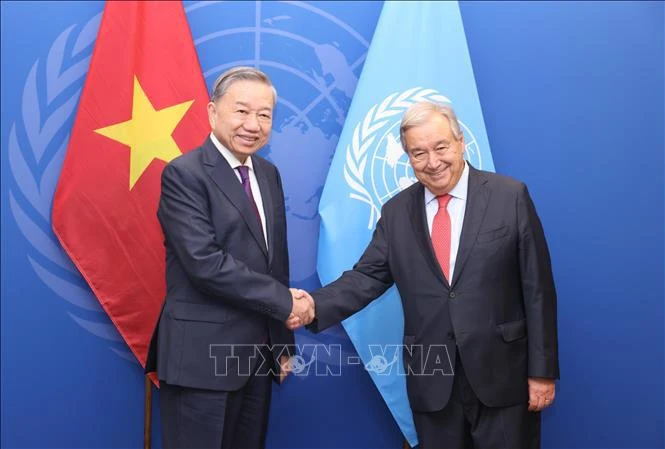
[[147, 133]]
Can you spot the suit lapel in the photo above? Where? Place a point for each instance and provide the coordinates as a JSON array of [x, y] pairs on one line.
[[476, 206], [224, 177], [266, 197], [421, 230]]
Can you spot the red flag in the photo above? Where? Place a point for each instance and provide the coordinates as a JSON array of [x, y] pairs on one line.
[[143, 104]]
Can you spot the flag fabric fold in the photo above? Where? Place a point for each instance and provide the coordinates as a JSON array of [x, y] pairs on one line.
[[143, 104], [418, 52]]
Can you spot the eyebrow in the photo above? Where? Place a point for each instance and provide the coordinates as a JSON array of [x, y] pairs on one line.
[[440, 142], [242, 103]]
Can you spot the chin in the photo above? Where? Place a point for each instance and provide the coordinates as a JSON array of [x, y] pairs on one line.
[[248, 151], [440, 186]]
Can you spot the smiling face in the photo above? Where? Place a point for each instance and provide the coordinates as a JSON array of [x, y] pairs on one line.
[[436, 156], [242, 118]]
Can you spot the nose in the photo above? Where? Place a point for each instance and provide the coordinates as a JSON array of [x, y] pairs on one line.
[[252, 123], [432, 160]]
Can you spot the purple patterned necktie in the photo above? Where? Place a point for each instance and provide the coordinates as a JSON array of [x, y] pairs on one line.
[[244, 177]]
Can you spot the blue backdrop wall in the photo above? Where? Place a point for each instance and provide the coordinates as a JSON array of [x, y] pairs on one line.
[[573, 99]]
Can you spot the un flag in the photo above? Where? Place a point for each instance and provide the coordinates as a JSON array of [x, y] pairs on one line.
[[418, 53]]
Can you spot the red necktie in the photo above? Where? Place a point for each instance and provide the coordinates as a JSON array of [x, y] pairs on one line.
[[441, 235]]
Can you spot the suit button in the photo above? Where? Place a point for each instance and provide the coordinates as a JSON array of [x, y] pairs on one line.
[[452, 295], [451, 335]]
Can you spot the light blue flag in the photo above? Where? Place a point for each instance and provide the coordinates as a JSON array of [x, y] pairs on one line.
[[418, 53]]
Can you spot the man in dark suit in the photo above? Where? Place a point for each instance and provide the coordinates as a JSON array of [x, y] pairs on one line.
[[221, 336], [468, 255]]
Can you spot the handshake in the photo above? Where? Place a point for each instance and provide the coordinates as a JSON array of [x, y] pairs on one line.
[[303, 311]]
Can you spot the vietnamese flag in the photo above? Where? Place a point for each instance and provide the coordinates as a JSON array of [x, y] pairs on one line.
[[143, 104]]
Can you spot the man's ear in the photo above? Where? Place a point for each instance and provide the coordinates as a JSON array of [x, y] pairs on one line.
[[212, 114]]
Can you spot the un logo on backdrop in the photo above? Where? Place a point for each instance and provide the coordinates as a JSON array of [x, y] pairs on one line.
[[314, 59], [376, 166], [36, 149], [312, 56]]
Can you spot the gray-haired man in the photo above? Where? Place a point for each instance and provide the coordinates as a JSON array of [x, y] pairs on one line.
[[221, 336]]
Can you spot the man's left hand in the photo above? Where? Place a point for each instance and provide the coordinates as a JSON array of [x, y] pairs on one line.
[[541, 393], [285, 367]]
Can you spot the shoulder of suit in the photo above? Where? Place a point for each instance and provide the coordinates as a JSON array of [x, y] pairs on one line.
[[265, 166], [187, 164], [189, 159], [404, 197], [499, 181], [263, 162]]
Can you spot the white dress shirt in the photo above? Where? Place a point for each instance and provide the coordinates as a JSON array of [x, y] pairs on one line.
[[256, 192], [456, 208]]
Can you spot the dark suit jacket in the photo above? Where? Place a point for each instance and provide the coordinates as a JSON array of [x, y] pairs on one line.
[[499, 311], [223, 286]]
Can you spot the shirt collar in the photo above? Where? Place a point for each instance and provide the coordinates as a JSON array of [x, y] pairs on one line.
[[459, 191], [230, 157]]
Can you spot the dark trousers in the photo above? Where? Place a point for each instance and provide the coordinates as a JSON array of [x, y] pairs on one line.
[[466, 423], [195, 418]]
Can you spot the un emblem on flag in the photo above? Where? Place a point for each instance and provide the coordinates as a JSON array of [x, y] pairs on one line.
[[377, 167]]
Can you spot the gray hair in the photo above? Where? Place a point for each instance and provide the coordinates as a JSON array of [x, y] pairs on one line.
[[235, 74], [418, 114]]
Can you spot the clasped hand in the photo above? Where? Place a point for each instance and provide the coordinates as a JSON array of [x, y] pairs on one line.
[[303, 311]]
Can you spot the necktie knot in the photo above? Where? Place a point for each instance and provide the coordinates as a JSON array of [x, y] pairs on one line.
[[247, 187], [244, 173], [443, 200]]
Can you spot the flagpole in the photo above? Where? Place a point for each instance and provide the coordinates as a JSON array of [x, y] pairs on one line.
[[147, 413]]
